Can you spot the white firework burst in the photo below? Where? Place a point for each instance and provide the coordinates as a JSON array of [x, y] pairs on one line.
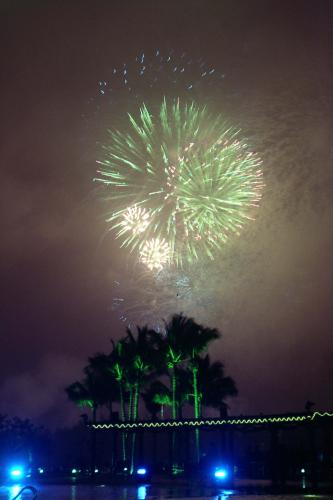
[[135, 219], [155, 253]]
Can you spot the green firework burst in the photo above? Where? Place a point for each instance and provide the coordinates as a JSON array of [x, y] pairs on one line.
[[179, 182]]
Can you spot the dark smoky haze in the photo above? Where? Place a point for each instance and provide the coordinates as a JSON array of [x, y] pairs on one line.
[[269, 291]]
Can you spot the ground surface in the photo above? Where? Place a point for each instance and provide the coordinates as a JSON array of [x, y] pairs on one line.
[[82, 492]]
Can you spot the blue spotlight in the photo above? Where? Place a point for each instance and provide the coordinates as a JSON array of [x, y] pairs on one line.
[[220, 473], [16, 472], [141, 471]]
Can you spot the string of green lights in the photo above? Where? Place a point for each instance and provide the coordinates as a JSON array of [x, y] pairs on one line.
[[209, 422]]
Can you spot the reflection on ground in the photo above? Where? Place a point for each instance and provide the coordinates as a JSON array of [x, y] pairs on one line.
[[143, 492]]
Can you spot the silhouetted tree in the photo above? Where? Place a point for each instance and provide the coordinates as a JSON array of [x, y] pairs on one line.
[[213, 386]]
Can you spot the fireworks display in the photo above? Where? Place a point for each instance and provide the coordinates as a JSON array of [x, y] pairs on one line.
[[177, 181], [180, 182]]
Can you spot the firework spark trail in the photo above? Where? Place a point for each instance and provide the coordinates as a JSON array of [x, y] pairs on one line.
[[159, 72]]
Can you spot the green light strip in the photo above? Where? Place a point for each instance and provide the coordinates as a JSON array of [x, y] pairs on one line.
[[213, 422]]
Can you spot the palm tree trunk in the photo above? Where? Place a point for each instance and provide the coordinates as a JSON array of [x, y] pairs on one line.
[[174, 416], [122, 417], [130, 404], [122, 402], [173, 393], [195, 392], [196, 411], [135, 402]]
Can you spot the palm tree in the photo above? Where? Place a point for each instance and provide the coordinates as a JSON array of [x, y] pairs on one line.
[[201, 338], [119, 364], [156, 397], [119, 367], [144, 360], [101, 365], [143, 355], [186, 340], [213, 386], [183, 389], [176, 349], [90, 392]]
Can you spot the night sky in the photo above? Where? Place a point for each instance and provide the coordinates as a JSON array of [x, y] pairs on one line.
[[273, 286]]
